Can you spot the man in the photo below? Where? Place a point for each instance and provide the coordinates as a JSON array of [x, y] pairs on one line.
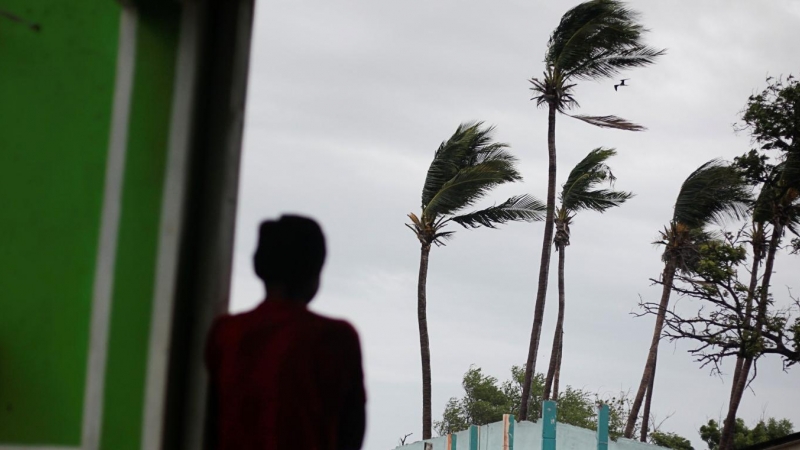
[[281, 376]]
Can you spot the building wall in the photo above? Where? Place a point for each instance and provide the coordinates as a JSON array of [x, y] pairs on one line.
[[528, 436]]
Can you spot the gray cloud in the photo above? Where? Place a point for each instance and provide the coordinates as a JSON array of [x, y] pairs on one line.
[[348, 101]]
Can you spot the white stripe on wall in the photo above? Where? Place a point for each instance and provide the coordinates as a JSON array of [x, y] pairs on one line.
[[170, 228], [109, 229]]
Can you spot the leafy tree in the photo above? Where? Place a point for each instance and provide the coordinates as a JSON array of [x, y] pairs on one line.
[[711, 193], [595, 40], [772, 118], [579, 193], [744, 437], [670, 440], [485, 401], [464, 169]]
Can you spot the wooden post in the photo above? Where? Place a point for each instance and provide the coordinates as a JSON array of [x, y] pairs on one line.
[[451, 441], [508, 431]]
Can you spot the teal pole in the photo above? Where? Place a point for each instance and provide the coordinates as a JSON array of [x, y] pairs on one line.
[[549, 410], [602, 427], [511, 420], [473, 437]]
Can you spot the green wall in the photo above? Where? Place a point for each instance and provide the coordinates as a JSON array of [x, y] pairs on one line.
[[57, 88]]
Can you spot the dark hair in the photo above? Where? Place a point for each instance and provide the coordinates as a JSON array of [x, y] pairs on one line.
[[290, 251]]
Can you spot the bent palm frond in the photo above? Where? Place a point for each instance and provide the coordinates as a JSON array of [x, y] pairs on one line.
[[518, 208], [598, 39], [714, 192], [609, 122], [469, 140], [580, 191]]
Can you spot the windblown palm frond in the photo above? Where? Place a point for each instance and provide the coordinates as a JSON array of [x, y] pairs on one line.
[[521, 207], [469, 185], [609, 122], [714, 192], [464, 169], [579, 192], [470, 144], [598, 39]]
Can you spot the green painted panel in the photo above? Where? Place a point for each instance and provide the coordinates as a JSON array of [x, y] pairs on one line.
[[57, 93], [156, 43]]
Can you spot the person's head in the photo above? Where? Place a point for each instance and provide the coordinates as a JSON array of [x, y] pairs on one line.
[[289, 257]]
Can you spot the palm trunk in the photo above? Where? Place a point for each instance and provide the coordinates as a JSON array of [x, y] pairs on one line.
[[743, 360], [555, 354], [544, 264], [740, 379], [650, 365], [557, 376], [424, 344], [737, 390], [648, 400]]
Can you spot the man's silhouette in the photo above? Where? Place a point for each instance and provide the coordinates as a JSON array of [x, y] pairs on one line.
[[281, 376]]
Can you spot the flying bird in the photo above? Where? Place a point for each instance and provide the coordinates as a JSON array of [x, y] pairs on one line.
[[621, 83]]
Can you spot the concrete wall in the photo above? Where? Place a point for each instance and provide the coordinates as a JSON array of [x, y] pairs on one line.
[[528, 436]]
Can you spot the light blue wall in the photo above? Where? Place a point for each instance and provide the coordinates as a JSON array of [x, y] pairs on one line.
[[462, 440], [528, 436]]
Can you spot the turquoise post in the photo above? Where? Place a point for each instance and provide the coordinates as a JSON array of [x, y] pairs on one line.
[[473, 437], [602, 427], [453, 440], [511, 420], [549, 410]]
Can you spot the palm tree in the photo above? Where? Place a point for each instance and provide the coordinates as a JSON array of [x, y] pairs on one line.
[[778, 204], [594, 40], [712, 193], [579, 193], [464, 169]]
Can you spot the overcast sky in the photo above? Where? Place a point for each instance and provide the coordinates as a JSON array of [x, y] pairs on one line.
[[348, 101]]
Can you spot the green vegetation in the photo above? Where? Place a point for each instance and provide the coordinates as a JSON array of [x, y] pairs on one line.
[[485, 401], [743, 436]]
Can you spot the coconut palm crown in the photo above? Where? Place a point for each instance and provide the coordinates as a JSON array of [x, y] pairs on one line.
[[580, 192], [464, 169], [594, 40]]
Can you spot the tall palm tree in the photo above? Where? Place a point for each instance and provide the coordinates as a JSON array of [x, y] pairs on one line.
[[464, 169], [594, 40], [579, 193], [712, 193]]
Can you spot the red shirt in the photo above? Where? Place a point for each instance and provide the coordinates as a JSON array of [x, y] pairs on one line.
[[283, 377]]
